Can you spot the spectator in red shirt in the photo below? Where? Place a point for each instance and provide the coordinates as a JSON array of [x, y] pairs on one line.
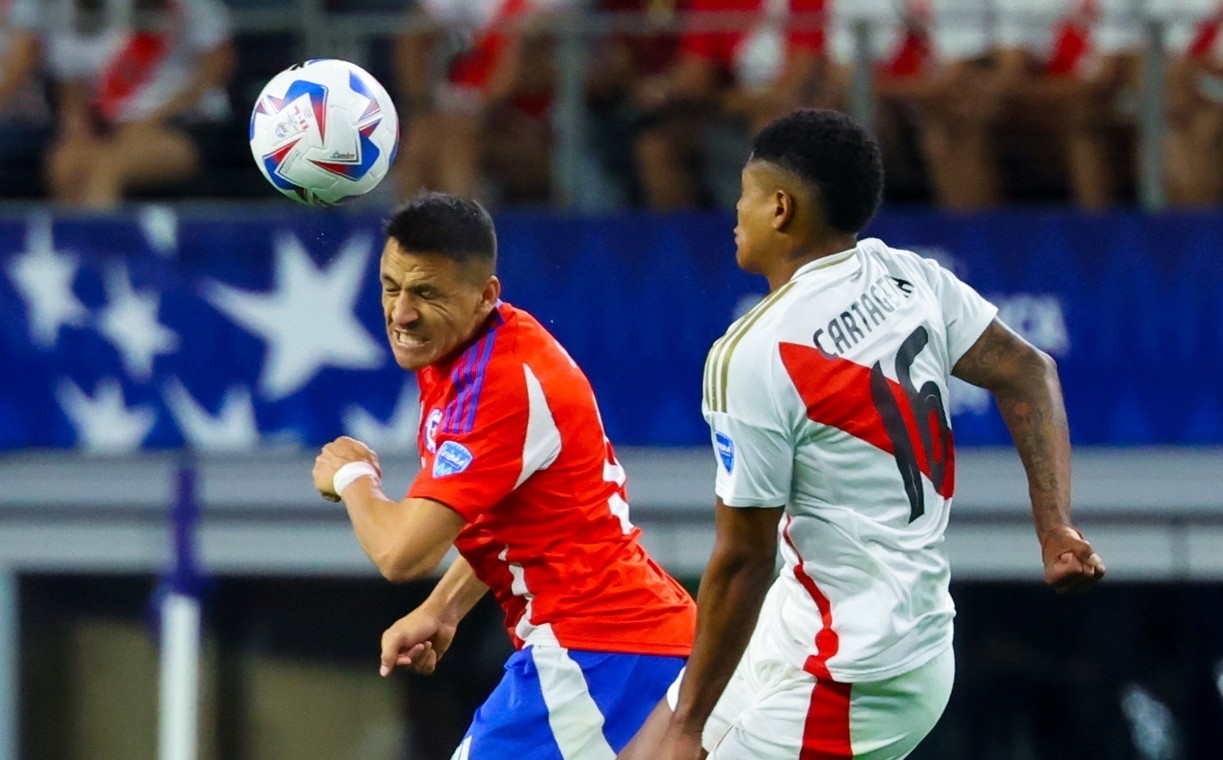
[[934, 113], [1068, 70], [1194, 146], [618, 62], [741, 63], [483, 130]]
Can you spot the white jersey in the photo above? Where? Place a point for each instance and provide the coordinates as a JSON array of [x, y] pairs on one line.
[[830, 398], [144, 71]]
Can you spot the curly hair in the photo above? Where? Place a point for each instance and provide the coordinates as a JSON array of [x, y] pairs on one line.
[[834, 155]]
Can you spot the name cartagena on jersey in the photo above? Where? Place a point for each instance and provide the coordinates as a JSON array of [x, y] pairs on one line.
[[511, 439]]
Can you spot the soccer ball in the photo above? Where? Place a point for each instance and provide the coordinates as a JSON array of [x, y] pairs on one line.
[[324, 131]]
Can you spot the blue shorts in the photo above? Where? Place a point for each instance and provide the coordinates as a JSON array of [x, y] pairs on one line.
[[563, 704]]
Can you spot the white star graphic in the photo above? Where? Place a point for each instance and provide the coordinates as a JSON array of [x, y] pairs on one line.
[[232, 428], [395, 435], [104, 422], [160, 225], [307, 319], [129, 322], [43, 277]]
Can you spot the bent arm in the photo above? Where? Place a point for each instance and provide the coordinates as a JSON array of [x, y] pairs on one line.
[[739, 573], [1024, 382], [405, 539]]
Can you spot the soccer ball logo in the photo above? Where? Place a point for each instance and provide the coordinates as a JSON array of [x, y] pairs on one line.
[[324, 131]]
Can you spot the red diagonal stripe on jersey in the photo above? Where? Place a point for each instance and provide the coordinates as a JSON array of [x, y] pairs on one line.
[[837, 392]]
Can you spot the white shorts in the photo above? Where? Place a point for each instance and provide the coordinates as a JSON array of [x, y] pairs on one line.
[[772, 710]]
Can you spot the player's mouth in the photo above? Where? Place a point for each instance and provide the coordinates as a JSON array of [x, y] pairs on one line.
[[407, 340]]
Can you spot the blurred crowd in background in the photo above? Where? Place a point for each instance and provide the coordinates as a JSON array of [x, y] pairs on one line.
[[976, 102]]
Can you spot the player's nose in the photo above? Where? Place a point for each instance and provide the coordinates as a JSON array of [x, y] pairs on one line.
[[403, 310]]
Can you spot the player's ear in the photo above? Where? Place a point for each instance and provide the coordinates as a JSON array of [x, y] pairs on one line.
[[783, 208], [491, 293]]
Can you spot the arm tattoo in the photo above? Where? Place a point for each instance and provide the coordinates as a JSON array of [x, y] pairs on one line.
[[1025, 385]]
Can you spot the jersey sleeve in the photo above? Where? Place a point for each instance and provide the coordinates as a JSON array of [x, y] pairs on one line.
[[477, 455], [965, 312], [751, 439]]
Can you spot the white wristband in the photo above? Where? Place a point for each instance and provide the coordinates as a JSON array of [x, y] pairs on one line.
[[351, 472]]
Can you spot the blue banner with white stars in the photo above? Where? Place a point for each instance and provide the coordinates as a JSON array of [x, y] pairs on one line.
[[234, 329]]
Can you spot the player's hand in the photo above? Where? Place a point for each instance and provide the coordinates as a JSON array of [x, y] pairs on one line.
[[335, 455], [1070, 562], [417, 640]]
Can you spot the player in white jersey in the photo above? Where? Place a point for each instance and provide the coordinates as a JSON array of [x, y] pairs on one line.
[[828, 410]]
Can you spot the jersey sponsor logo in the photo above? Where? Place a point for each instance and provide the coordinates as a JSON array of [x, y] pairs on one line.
[[453, 457], [431, 424], [726, 450]]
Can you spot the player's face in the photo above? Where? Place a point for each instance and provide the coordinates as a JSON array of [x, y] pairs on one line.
[[433, 305], [753, 219]]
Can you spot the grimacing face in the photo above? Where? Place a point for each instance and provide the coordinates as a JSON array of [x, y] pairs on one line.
[[432, 304]]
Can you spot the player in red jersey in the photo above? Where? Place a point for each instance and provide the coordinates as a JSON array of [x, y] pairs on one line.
[[518, 474]]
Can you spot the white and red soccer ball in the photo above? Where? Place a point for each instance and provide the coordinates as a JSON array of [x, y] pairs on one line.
[[324, 131]]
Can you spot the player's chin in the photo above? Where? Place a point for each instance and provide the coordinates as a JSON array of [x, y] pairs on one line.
[[413, 359]]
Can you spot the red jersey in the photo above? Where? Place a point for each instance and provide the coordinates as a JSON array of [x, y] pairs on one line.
[[511, 439], [722, 46]]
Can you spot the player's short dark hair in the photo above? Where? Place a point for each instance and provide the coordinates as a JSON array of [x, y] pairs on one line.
[[834, 155], [457, 228]]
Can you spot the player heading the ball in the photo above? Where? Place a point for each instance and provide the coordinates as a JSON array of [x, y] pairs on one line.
[[517, 473]]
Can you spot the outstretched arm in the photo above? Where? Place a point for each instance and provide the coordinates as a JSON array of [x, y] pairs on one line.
[[1025, 385], [420, 638], [738, 576]]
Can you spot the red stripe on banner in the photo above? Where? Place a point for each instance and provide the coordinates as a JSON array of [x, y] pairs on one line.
[[826, 732], [827, 642]]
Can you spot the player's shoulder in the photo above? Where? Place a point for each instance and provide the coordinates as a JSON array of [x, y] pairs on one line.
[[526, 341], [899, 261], [886, 255], [491, 357], [742, 358], [514, 347], [485, 378], [912, 271]]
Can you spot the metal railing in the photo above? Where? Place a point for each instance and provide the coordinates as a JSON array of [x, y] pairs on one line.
[[352, 35]]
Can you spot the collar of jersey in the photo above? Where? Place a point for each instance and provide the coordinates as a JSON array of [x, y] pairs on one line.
[[824, 262]]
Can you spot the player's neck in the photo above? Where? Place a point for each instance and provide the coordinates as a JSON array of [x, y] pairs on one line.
[[804, 255]]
